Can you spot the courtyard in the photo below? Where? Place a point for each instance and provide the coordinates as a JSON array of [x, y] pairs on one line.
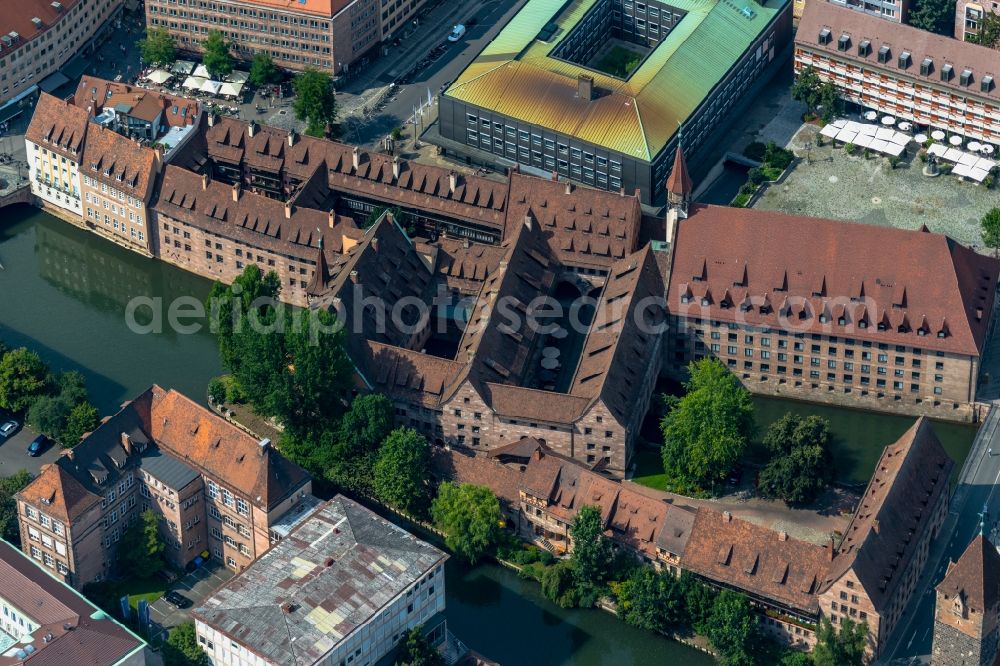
[[827, 182]]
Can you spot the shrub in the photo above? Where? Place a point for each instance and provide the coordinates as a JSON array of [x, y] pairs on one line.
[[217, 390], [741, 200], [893, 161], [945, 168], [867, 153], [820, 141], [755, 176], [755, 151], [988, 181], [397, 133], [777, 157], [851, 148]]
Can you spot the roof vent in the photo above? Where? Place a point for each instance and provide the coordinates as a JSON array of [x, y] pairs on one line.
[[287, 607], [57, 6], [328, 562], [37, 21]]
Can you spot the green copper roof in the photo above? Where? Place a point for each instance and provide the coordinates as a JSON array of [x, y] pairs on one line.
[[516, 76]]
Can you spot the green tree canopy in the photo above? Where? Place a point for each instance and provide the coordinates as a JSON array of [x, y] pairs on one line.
[[418, 651], [51, 414], [651, 599], [934, 16], [559, 584], [733, 629], [806, 88], [263, 70], [140, 551], [991, 229], [843, 648], [23, 377], [800, 466], [216, 57], [182, 649], [315, 101], [83, 418], [699, 599], [401, 471], [48, 415], [157, 48], [592, 556], [989, 31], [706, 432], [470, 517], [9, 486], [830, 100]]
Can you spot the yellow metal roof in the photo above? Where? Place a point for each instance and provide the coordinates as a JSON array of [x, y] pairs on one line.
[[516, 75]]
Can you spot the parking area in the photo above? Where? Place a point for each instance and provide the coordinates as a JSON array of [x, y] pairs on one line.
[[14, 456], [196, 586]]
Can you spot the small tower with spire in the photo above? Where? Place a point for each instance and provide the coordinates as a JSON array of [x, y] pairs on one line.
[[678, 190]]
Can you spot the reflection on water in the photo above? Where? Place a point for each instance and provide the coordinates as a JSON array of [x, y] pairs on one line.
[[64, 293]]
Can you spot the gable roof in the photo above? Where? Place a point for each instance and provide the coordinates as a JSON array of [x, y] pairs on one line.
[[975, 577], [58, 126], [59, 493], [93, 94], [911, 475], [727, 257], [121, 162]]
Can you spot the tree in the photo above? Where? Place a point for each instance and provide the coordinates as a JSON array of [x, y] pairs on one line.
[[843, 648], [795, 658], [699, 600], [315, 101], [989, 31], [800, 466], [48, 415], [72, 387], [470, 517], [182, 649], [401, 469], [140, 552], [592, 555], [991, 229], [215, 56], [263, 70], [829, 99], [934, 16], [733, 629], [157, 48], [806, 88], [559, 585], [10, 486], [706, 432], [217, 390], [650, 599], [23, 377], [363, 428], [82, 419], [418, 651]]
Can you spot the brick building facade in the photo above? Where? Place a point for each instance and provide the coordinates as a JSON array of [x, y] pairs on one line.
[[970, 14], [967, 609], [214, 487]]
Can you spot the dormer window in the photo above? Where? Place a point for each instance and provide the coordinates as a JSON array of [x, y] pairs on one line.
[[862, 324], [824, 36], [841, 321], [884, 54], [926, 67], [946, 72], [966, 77], [865, 48], [844, 43], [986, 84], [822, 319], [942, 334], [685, 299], [704, 301], [904, 60]]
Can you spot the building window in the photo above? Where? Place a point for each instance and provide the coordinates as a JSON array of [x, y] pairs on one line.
[[242, 507]]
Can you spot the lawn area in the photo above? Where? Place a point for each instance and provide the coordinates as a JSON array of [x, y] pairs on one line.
[[107, 594], [649, 469], [619, 61]]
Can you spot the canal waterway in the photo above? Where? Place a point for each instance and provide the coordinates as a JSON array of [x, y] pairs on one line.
[[64, 293]]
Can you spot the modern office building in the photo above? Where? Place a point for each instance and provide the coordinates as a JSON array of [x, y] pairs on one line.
[[331, 35], [43, 621], [967, 609], [215, 488], [970, 14], [540, 94], [344, 587], [931, 80], [38, 37]]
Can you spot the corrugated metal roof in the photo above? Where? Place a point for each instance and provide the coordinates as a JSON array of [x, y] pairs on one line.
[[517, 76]]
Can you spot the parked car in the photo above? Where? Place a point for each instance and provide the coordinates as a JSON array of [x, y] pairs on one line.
[[38, 446], [457, 33], [177, 600], [8, 428]]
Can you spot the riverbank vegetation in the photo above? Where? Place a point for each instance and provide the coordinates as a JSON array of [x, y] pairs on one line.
[[56, 405]]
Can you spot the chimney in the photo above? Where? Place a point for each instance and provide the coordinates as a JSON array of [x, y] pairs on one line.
[[127, 443], [527, 221], [354, 277], [331, 217], [236, 192], [264, 445], [292, 136], [466, 244], [621, 192], [875, 526], [395, 168], [585, 87], [782, 535], [205, 180], [727, 517], [536, 454], [252, 128], [374, 243], [287, 607], [69, 454], [569, 188], [355, 157], [555, 176], [452, 181], [288, 210], [979, 313]]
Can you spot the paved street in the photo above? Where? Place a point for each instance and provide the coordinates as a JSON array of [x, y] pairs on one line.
[[14, 458], [977, 488], [196, 586]]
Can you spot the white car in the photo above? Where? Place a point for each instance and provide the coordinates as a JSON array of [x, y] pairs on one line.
[[457, 33]]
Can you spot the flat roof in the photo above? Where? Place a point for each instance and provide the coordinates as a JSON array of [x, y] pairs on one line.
[[516, 74], [331, 575]]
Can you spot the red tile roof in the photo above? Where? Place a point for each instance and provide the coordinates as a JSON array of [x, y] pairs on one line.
[[975, 577], [878, 543], [17, 15], [785, 271], [93, 94], [679, 181], [120, 162], [58, 126], [58, 493]]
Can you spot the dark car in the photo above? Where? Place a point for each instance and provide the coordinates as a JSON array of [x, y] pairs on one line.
[[177, 600], [38, 446]]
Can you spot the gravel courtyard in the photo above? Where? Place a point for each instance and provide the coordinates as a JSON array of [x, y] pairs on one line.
[[834, 185]]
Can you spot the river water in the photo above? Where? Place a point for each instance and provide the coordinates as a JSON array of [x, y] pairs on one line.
[[64, 293]]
